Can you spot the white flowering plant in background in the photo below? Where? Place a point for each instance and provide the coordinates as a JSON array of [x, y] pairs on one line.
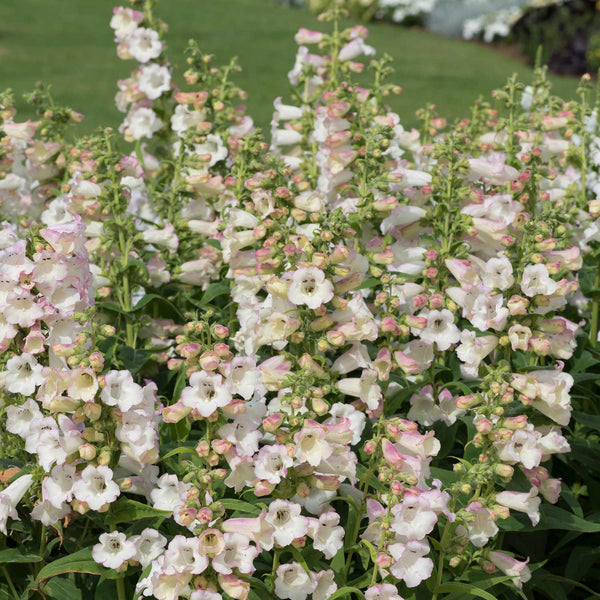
[[338, 363]]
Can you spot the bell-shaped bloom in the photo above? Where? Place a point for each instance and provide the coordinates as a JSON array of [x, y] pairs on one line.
[[113, 550], [10, 497]]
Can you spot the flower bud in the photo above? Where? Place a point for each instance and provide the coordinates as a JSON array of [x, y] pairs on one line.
[[504, 471], [87, 452]]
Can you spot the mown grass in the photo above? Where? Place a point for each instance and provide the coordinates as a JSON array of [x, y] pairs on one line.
[[68, 44]]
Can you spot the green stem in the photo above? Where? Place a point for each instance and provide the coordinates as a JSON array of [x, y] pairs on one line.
[[440, 568], [11, 585], [121, 589], [595, 311], [274, 569]]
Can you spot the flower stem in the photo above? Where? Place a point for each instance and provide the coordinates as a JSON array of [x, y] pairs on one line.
[[595, 311], [11, 585], [121, 588]]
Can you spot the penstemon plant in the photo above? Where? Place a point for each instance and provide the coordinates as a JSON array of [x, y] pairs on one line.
[[331, 364]]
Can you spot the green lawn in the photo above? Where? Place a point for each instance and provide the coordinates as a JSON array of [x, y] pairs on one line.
[[68, 44]]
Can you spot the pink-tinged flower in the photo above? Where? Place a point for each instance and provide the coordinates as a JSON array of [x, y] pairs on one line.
[[257, 529], [354, 49], [22, 309], [19, 418], [169, 493], [206, 393], [549, 488], [423, 408], [537, 281], [148, 545], [325, 585], [498, 274], [23, 375], [293, 582], [82, 384], [411, 566], [125, 21], [286, 521], [312, 446], [327, 535], [237, 553], [10, 497], [286, 112], [357, 419], [183, 556], [384, 591], [141, 122], [120, 390], [58, 488], [440, 329], [272, 463], [366, 388], [488, 312], [413, 518], [162, 237], [96, 487], [521, 447], [492, 169], [234, 587], [113, 550], [205, 595], [243, 377], [517, 570], [48, 514], [306, 36], [482, 527], [310, 287], [528, 502], [154, 80], [143, 44]]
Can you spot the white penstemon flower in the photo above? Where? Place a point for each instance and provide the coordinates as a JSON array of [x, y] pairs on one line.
[[310, 287]]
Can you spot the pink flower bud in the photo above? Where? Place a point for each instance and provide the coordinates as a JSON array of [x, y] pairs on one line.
[[484, 426], [203, 447], [209, 361], [416, 322], [272, 423], [175, 412], [87, 452], [370, 447], [383, 560], [205, 515], [466, 402], [517, 305], [336, 338], [263, 488]]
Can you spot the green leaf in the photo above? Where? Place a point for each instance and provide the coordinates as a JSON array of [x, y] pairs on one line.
[[466, 588], [591, 421], [134, 359], [18, 555], [552, 517], [125, 510], [446, 477], [240, 505], [214, 290], [62, 588], [79, 562], [179, 384], [148, 298], [369, 283], [346, 591], [112, 307], [144, 574], [180, 450]]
